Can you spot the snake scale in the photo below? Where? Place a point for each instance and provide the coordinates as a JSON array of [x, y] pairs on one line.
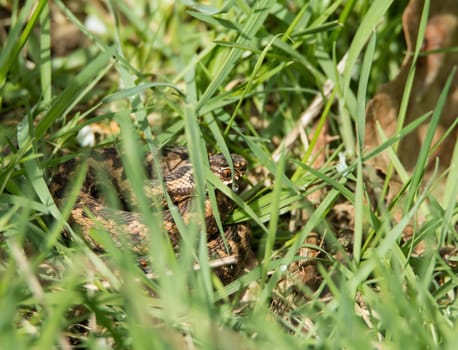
[[125, 226]]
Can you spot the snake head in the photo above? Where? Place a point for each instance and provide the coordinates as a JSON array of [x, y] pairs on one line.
[[220, 167]]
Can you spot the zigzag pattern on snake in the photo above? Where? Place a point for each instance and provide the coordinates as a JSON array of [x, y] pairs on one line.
[[105, 171]]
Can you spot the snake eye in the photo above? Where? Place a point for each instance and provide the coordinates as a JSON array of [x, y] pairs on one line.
[[226, 174]]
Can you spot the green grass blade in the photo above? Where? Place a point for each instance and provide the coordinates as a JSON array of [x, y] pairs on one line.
[[374, 14], [255, 20], [411, 75], [17, 41], [450, 198], [45, 56], [361, 126], [274, 215], [427, 142], [79, 87]]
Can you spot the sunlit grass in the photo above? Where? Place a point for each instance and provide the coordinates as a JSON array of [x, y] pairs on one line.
[[222, 78]]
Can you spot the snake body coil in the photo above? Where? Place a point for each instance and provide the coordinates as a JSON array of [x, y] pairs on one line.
[[106, 171]]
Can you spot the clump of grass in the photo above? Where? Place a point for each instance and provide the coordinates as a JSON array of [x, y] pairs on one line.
[[228, 79]]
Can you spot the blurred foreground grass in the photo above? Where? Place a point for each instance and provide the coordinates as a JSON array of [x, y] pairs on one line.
[[232, 77]]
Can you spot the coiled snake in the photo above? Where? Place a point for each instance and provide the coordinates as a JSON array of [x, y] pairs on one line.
[[105, 168]]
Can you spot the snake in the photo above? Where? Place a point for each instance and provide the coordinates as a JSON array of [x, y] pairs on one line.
[[126, 226]]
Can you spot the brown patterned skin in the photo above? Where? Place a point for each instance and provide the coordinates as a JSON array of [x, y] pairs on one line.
[[176, 169]]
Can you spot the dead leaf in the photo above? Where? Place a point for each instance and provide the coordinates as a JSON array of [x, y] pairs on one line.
[[432, 70]]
